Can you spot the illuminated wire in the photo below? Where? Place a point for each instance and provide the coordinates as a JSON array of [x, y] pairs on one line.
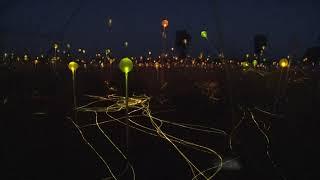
[[89, 144], [141, 104]]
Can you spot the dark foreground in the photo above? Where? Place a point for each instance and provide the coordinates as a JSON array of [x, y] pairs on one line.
[[39, 142]]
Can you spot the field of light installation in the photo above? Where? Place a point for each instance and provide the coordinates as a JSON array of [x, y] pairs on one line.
[[67, 113], [221, 120]]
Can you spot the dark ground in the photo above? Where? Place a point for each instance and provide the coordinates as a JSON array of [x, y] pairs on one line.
[[49, 146]]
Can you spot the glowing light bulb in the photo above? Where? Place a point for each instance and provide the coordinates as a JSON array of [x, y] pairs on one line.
[[73, 66], [165, 23], [204, 34], [157, 65], [245, 65], [254, 62], [109, 22], [126, 65], [283, 62], [185, 41]]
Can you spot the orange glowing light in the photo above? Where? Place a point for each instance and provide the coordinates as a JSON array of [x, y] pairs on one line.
[[165, 23]]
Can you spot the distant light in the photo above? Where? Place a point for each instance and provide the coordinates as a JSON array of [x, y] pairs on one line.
[[108, 51], [245, 65], [25, 57], [201, 55], [254, 62], [165, 23], [157, 65], [109, 22], [185, 41], [204, 34]]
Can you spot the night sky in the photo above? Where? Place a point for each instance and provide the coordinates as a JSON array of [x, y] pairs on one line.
[[31, 25]]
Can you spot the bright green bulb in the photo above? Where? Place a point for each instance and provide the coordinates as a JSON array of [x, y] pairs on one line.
[[255, 63], [204, 34], [126, 65]]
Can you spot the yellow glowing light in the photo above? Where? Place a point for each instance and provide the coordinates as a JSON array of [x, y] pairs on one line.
[[73, 66], [157, 65], [283, 62], [126, 65]]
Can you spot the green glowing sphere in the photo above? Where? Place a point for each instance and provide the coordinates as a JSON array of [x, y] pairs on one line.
[[73, 66], [126, 65], [204, 34], [254, 63]]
